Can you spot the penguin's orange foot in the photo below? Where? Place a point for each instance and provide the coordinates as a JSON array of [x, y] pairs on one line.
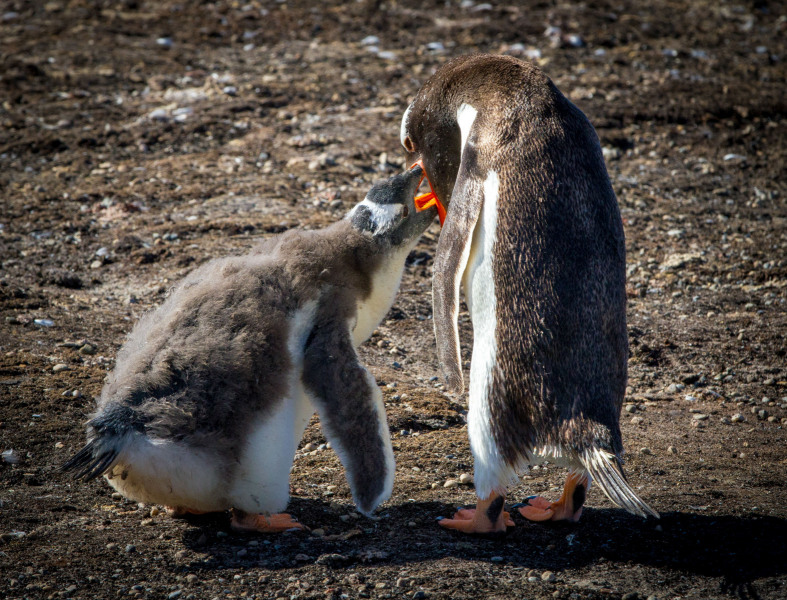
[[568, 508], [487, 517], [277, 523], [178, 512]]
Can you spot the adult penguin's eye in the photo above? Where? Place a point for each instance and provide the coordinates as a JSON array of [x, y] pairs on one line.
[[408, 144]]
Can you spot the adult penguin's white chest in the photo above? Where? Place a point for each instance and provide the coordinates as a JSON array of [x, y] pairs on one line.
[[481, 295]]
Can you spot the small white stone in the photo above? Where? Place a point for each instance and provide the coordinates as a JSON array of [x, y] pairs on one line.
[[465, 478], [451, 483]]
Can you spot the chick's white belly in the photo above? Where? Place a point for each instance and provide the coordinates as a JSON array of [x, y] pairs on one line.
[[261, 480], [171, 474]]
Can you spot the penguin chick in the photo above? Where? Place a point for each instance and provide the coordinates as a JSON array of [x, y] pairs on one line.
[[212, 391], [534, 234]]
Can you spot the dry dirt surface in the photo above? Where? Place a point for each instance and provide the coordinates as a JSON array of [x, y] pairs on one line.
[[139, 138]]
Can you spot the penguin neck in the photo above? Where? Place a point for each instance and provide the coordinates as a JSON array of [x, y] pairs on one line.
[[384, 279]]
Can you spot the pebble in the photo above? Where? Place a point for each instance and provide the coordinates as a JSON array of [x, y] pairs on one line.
[[700, 417], [762, 415], [533, 579], [155, 511], [130, 548], [672, 450], [309, 447], [646, 451], [674, 388], [450, 483], [636, 420], [59, 368], [331, 560], [631, 408], [87, 349], [11, 457], [230, 90], [548, 576], [175, 594], [96, 264], [403, 582], [192, 578], [465, 478], [420, 594], [611, 153], [43, 322], [738, 418], [146, 522], [164, 42]]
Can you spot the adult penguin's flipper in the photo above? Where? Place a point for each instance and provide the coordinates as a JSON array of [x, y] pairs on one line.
[[453, 251]]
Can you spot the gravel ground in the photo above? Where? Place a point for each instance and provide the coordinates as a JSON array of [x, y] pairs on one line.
[[139, 139]]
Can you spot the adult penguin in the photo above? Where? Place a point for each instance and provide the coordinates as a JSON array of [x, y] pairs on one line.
[[533, 232]]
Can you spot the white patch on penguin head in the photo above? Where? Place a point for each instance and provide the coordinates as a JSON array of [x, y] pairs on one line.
[[403, 133], [465, 117], [375, 217]]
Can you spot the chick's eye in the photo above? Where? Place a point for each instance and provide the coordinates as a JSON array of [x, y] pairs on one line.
[[408, 144]]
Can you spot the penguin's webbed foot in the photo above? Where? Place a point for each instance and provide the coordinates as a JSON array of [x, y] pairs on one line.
[[568, 508], [258, 523], [487, 517]]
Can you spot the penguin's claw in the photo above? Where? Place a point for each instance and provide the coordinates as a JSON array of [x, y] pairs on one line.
[[251, 523], [488, 517], [568, 508], [178, 512], [466, 521]]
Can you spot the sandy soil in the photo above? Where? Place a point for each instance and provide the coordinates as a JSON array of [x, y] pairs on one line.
[[139, 139]]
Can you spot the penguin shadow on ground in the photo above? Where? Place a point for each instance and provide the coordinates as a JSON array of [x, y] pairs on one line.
[[737, 549]]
